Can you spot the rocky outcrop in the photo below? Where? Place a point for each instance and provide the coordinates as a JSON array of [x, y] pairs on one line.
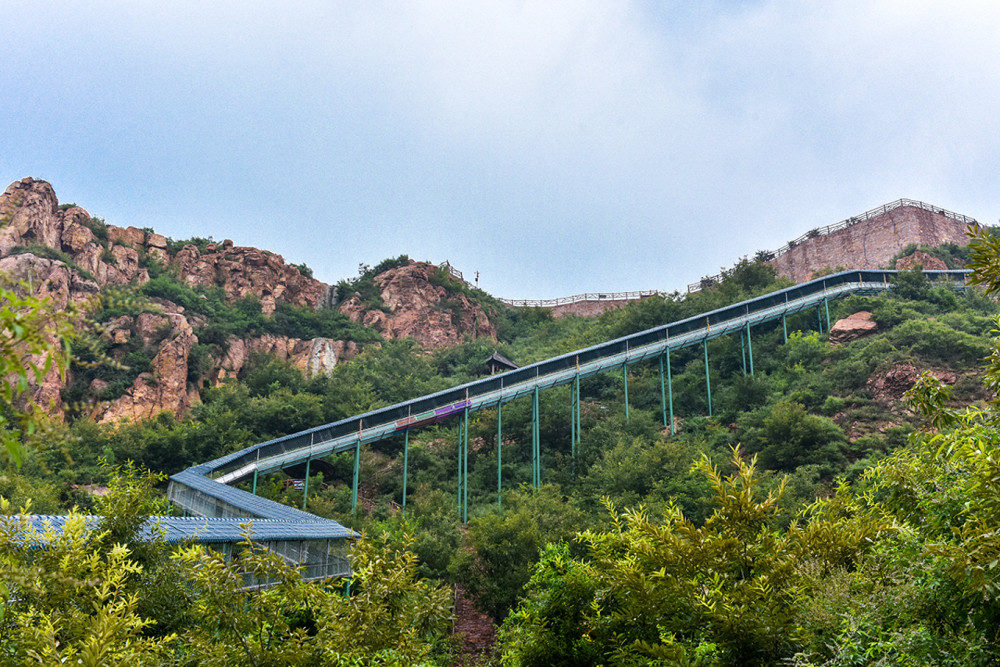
[[926, 261], [853, 327], [166, 387], [242, 271], [416, 308], [890, 384], [317, 356]]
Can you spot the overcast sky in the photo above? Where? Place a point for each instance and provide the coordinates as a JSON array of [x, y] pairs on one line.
[[555, 147]]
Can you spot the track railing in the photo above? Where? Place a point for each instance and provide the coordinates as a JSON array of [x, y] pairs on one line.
[[213, 477]]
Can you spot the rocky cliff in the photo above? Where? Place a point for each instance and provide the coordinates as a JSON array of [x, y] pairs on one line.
[[68, 256]]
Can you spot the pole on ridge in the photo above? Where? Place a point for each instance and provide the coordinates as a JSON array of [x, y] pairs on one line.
[[708, 382], [625, 376], [305, 487], [750, 348], [499, 447], [406, 463]]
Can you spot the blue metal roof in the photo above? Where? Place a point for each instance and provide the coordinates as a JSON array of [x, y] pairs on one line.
[[175, 529]]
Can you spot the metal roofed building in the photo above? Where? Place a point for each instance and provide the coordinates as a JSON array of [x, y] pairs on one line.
[[318, 548]]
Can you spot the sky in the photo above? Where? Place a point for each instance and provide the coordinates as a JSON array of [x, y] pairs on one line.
[[553, 147]]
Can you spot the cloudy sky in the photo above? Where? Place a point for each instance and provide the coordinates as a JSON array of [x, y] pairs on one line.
[[556, 147]]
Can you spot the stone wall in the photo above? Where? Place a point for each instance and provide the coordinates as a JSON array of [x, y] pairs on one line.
[[869, 244]]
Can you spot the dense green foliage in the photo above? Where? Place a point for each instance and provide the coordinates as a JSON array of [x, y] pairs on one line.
[[812, 519]]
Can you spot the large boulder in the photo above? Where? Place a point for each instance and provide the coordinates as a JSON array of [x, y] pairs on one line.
[[853, 327]]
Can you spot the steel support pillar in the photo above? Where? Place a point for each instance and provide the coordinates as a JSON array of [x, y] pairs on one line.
[[579, 430], [749, 349], [254, 489], [670, 393], [406, 463], [708, 382], [743, 353], [305, 487], [826, 306], [499, 448], [625, 376], [663, 394], [354, 489], [535, 445], [465, 467], [784, 327], [819, 318]]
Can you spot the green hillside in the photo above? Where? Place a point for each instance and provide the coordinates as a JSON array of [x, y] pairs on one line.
[[816, 517]]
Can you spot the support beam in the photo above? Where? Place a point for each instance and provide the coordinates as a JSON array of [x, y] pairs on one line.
[[819, 318], [663, 394], [459, 491], [354, 486], [465, 467], [535, 444], [670, 393], [625, 376], [708, 382], [499, 448], [784, 327], [579, 430], [406, 463], [743, 352], [749, 348], [305, 487], [826, 306], [254, 489]]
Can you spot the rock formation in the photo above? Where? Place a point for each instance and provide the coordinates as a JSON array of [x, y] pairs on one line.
[[68, 256], [927, 262], [853, 327], [417, 308]]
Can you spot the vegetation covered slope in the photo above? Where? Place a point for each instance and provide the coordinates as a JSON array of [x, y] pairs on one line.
[[725, 558]]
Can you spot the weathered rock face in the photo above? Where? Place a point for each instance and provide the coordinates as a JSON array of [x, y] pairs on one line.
[[166, 388], [242, 271], [928, 262], [853, 327], [430, 314], [317, 356]]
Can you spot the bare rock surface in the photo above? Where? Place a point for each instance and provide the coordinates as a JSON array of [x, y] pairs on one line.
[[430, 314], [853, 327], [928, 262]]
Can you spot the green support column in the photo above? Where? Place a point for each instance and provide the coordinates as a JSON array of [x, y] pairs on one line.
[[826, 306], [465, 467], [819, 318], [743, 353], [254, 489], [459, 502], [535, 445], [406, 463], [625, 376], [784, 327], [670, 393], [305, 487], [749, 348], [663, 394], [579, 431], [572, 422], [499, 447], [708, 382], [357, 460]]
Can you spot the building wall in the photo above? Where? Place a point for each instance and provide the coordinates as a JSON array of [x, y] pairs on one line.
[[869, 244]]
